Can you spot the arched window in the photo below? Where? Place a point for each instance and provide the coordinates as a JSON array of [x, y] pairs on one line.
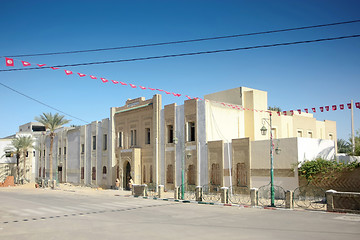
[[93, 175], [241, 176], [215, 174], [43, 171], [191, 175], [40, 172], [151, 174], [104, 169], [144, 174], [82, 173], [170, 174]]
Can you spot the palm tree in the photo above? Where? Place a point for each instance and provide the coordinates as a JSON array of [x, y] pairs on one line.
[[26, 144], [15, 149], [51, 122]]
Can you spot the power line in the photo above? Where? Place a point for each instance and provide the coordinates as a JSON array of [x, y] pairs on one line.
[[187, 41], [186, 54], [42, 103]]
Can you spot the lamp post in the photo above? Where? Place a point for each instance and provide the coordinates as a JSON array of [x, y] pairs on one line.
[[277, 150], [188, 155]]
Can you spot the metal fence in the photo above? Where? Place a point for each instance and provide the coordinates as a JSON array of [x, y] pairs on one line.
[[264, 196], [211, 193], [189, 193], [151, 190], [309, 197], [239, 196]]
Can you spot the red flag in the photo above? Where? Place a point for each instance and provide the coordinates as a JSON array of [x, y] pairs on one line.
[[115, 82], [357, 105], [160, 90], [68, 72], [349, 105], [313, 109], [187, 96], [142, 87], [327, 108], [122, 83], [81, 74], [132, 85], [167, 92], [25, 64], [223, 103], [334, 107], [284, 112], [341, 106], [54, 68], [278, 113], [104, 80], [299, 111], [292, 112], [41, 65], [153, 89], [178, 94], [306, 110], [93, 77], [321, 109], [9, 62]]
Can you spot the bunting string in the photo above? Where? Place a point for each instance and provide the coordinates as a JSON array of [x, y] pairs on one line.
[[10, 62]]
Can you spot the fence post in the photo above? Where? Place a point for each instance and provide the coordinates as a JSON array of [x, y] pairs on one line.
[[198, 193], [330, 200], [161, 191], [53, 186], [253, 193], [176, 193], [43, 183], [224, 194], [289, 199]]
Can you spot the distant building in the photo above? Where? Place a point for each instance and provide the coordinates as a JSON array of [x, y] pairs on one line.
[[218, 138]]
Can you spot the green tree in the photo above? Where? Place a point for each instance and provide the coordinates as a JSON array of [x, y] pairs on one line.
[[274, 108], [27, 143], [343, 146], [52, 122], [357, 144]]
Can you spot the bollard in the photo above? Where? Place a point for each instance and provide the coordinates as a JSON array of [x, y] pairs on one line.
[[330, 200], [43, 183], [224, 194], [176, 193], [289, 199], [161, 191], [198, 193], [48, 183], [253, 194], [53, 186]]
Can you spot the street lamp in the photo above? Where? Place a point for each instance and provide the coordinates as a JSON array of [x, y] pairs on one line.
[[277, 151]]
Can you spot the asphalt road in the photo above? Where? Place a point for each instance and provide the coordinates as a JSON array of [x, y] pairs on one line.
[[56, 214]]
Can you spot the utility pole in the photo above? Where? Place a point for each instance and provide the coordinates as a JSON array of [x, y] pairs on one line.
[[352, 127]]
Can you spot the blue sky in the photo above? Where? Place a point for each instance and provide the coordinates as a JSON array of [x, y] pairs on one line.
[[300, 76]]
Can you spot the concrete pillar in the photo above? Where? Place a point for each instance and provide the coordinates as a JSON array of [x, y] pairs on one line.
[[253, 196], [224, 194], [176, 193], [198, 193], [161, 191], [330, 200], [48, 183], [43, 183], [289, 199]]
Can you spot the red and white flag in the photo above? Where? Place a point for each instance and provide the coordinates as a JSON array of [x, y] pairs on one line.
[[152, 89], [188, 97], [349, 105], [122, 83], [81, 74], [284, 112], [321, 109], [104, 80], [25, 64], [278, 113], [132, 85], [167, 92], [143, 88], [41, 65], [9, 62], [334, 107], [342, 106], [93, 77], [327, 108], [68, 72], [160, 90], [313, 109], [357, 105], [115, 82], [299, 111], [292, 112], [306, 110], [54, 68]]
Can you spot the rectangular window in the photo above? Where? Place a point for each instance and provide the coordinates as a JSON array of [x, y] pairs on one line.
[[27, 154], [120, 139], [133, 137], [82, 148], [64, 150], [34, 153], [331, 137], [170, 174], [191, 131], [299, 133], [105, 142], [59, 151], [147, 135], [170, 130], [241, 176], [310, 134], [94, 142], [82, 173], [44, 153], [93, 175]]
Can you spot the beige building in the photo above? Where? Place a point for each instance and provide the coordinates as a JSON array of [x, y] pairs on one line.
[[217, 141]]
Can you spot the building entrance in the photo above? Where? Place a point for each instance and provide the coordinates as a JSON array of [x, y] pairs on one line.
[[127, 175]]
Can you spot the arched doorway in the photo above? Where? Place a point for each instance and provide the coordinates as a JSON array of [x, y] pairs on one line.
[[127, 175]]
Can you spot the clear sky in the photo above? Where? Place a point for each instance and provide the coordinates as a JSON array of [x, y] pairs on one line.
[[299, 76]]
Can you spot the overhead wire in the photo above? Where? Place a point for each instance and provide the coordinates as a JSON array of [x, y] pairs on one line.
[[187, 41], [186, 54]]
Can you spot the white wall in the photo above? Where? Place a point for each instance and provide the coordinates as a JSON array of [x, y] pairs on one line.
[[4, 143], [310, 149], [73, 156]]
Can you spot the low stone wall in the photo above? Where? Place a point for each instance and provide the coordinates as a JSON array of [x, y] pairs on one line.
[[343, 201]]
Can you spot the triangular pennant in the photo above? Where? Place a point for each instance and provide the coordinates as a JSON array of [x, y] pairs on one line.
[[306, 110], [314, 110], [41, 65], [25, 64], [81, 74], [132, 85], [54, 68], [142, 87], [93, 77], [115, 82], [68, 72], [122, 83], [104, 80], [299, 111]]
